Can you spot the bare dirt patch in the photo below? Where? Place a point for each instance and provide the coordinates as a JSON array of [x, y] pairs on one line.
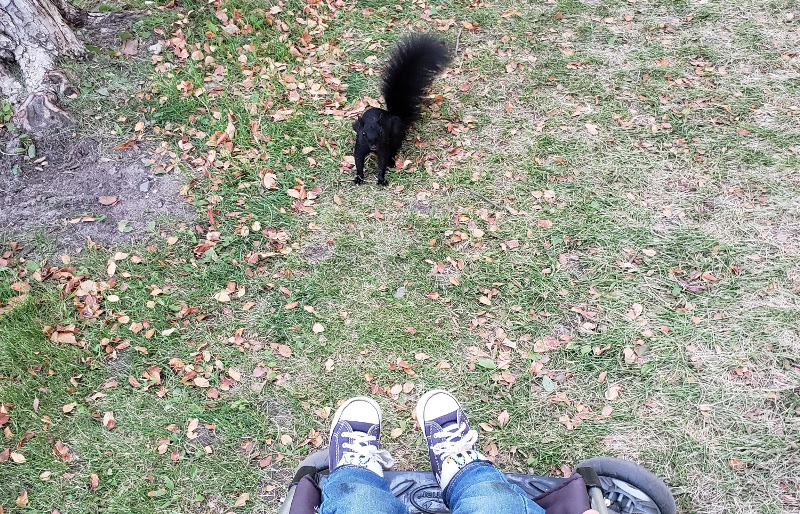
[[61, 195]]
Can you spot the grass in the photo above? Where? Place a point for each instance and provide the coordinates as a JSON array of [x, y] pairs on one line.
[[612, 211]]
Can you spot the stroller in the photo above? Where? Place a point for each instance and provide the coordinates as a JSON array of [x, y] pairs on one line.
[[605, 484]]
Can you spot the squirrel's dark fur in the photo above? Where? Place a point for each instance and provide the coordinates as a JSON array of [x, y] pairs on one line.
[[409, 71]]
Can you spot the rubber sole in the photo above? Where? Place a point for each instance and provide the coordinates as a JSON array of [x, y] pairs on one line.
[[338, 415]]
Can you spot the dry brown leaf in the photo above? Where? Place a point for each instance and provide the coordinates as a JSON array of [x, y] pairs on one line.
[[613, 392], [270, 181], [503, 418], [192, 424], [737, 464], [130, 47], [241, 500], [108, 420]]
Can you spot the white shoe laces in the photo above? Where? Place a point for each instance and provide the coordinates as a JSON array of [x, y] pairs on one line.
[[361, 452], [466, 441]]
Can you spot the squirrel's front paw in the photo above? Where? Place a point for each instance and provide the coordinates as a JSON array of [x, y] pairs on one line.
[[358, 180], [382, 181]]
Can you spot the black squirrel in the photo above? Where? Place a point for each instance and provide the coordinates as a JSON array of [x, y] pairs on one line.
[[409, 71]]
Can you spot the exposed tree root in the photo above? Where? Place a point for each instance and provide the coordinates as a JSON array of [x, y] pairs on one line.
[[34, 33]]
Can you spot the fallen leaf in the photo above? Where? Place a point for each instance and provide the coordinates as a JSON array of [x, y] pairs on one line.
[[486, 363], [22, 499], [318, 328], [108, 420], [18, 458], [270, 181], [545, 223], [68, 407], [286, 439], [192, 424], [108, 200], [612, 392], [503, 418], [242, 500], [737, 464], [630, 355], [94, 481], [396, 432], [62, 450]]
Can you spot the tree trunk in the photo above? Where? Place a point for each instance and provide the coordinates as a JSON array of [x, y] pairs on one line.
[[33, 33]]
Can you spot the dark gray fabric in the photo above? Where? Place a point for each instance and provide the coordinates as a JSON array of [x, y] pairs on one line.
[[568, 498], [307, 497]]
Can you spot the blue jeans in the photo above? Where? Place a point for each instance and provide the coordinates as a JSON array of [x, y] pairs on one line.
[[478, 488]]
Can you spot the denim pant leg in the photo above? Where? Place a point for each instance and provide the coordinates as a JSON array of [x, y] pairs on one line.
[[355, 490], [479, 488]]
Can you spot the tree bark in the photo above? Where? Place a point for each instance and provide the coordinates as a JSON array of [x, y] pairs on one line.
[[33, 33]]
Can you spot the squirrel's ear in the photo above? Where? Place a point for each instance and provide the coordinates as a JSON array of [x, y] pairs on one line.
[[358, 124]]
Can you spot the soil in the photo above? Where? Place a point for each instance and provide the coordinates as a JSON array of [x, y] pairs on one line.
[[57, 197]]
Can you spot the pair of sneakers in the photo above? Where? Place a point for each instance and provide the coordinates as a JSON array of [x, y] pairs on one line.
[[356, 430]]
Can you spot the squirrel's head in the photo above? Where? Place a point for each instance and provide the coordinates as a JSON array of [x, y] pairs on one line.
[[375, 126]]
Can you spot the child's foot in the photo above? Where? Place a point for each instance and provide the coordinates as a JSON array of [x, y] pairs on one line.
[[451, 443], [355, 430]]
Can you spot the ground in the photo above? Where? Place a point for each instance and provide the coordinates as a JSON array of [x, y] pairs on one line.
[[592, 241]]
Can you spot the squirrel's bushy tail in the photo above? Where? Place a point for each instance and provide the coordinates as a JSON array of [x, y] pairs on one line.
[[409, 71]]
